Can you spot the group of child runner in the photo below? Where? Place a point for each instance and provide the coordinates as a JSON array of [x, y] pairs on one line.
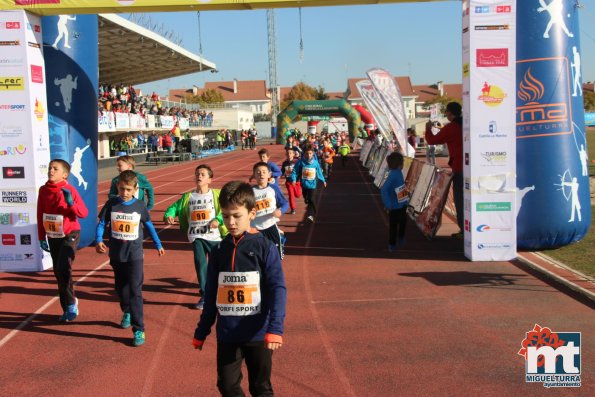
[[237, 247]]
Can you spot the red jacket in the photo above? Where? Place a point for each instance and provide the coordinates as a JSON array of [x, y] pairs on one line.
[[452, 135], [51, 201]]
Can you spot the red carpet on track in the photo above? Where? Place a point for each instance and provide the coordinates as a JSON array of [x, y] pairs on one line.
[[360, 321]]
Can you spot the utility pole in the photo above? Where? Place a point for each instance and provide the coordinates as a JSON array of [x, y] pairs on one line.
[[273, 70]]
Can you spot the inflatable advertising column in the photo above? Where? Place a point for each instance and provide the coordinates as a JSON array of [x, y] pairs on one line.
[[553, 200], [71, 55]]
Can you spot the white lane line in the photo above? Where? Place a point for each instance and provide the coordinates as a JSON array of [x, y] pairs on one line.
[[28, 320]]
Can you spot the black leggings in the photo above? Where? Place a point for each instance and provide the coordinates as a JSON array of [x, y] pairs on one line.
[[397, 221]]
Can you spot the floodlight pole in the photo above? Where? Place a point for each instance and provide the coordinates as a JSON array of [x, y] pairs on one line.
[[273, 69]]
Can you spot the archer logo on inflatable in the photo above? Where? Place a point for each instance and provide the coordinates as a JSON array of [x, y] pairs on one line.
[[552, 358], [543, 106]]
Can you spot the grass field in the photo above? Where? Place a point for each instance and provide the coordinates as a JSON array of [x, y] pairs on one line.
[[581, 255]]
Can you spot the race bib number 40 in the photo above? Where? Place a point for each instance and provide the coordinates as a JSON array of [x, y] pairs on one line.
[[238, 293], [125, 226], [53, 225]]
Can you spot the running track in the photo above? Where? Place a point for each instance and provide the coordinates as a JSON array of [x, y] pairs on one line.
[[361, 321]]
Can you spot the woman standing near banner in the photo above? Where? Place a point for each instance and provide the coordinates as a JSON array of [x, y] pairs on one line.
[[452, 135]]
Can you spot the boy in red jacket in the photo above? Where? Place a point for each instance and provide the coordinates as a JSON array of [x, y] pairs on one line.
[[58, 207]]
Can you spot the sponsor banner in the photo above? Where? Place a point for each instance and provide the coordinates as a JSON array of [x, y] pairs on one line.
[[13, 173], [24, 143], [373, 103], [150, 121], [10, 130], [136, 122], [184, 123], [543, 109], [167, 122], [392, 103], [122, 121], [489, 144], [106, 122], [18, 197]]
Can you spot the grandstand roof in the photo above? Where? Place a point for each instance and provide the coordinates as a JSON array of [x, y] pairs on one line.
[[132, 54]]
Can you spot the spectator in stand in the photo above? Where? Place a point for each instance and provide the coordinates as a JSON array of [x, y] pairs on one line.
[[154, 142], [177, 135], [253, 136], [244, 137], [220, 139], [168, 143]]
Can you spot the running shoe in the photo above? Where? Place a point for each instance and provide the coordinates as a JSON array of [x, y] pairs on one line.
[[311, 218], [139, 338], [125, 322], [292, 212], [71, 313]]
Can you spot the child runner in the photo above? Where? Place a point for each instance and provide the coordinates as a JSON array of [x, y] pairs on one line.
[[145, 189], [124, 214], [58, 207], [328, 153], [395, 198], [308, 171], [263, 154], [246, 294], [200, 219], [344, 151], [294, 190], [270, 205]]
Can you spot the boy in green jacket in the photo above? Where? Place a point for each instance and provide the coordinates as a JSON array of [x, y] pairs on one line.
[[145, 189], [200, 219]]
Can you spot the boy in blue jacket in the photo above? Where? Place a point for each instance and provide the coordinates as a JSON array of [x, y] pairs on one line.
[[246, 294], [308, 171], [395, 198]]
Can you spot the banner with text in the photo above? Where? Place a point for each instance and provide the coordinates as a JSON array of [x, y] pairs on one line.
[[489, 141], [24, 143]]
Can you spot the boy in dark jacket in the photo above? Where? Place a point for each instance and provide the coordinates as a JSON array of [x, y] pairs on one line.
[[246, 294]]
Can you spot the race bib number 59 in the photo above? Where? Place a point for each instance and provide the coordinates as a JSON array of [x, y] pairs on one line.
[[238, 293]]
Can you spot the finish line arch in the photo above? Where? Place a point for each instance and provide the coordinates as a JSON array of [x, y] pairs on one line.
[[318, 108]]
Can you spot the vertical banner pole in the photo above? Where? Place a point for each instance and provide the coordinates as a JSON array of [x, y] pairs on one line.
[[489, 147], [24, 146]]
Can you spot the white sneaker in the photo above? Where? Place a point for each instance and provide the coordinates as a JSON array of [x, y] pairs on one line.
[[311, 218]]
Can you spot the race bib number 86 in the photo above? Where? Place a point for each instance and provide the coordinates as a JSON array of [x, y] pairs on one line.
[[238, 293]]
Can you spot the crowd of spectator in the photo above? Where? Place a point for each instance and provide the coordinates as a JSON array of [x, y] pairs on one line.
[[125, 99]]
